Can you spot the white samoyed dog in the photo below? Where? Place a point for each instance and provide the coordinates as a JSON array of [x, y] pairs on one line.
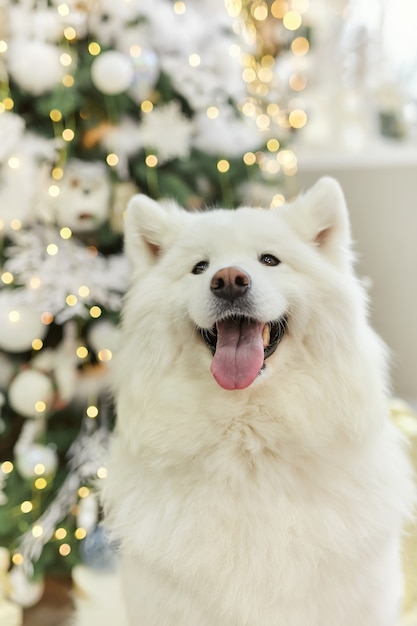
[[255, 478]]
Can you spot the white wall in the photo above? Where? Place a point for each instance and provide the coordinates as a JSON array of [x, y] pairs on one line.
[[381, 192]]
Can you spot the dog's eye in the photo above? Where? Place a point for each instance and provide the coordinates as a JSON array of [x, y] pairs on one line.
[[269, 259], [200, 267]]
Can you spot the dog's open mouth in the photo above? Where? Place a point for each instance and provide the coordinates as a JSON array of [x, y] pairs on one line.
[[240, 346]]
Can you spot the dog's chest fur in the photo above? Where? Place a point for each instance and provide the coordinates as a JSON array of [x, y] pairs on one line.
[[264, 525]]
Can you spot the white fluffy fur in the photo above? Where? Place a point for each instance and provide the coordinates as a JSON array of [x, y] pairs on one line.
[[278, 505]]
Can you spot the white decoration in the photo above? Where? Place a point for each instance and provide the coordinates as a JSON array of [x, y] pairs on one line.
[[65, 365], [31, 431], [87, 454], [97, 550], [61, 363], [46, 23], [77, 18], [167, 131], [109, 19], [35, 65], [83, 203], [145, 76], [27, 458], [103, 335], [112, 72], [25, 592], [12, 127], [10, 614], [227, 135], [28, 388], [179, 34], [21, 184], [25, 23], [62, 274], [211, 82], [19, 323], [125, 140]]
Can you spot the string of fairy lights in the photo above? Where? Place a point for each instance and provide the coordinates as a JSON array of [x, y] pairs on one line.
[[253, 19], [259, 23]]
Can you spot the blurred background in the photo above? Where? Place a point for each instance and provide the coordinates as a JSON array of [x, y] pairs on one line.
[[222, 102]]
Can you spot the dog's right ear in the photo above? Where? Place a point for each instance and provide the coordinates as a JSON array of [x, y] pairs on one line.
[[149, 229]]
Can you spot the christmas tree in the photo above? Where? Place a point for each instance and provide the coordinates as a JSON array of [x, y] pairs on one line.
[[100, 100]]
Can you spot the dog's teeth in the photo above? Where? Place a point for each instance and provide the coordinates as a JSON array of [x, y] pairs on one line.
[[266, 335]]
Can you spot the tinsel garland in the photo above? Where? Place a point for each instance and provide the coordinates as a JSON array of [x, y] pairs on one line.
[[86, 455]]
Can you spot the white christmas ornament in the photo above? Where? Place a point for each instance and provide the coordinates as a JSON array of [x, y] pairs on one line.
[[19, 324], [112, 72], [146, 73], [125, 140], [31, 459], [20, 184], [31, 393], [83, 203], [97, 550], [228, 134], [47, 21], [103, 335], [24, 592], [62, 274], [10, 614], [167, 131], [35, 65], [12, 127]]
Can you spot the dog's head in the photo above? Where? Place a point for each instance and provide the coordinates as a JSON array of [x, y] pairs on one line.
[[245, 280]]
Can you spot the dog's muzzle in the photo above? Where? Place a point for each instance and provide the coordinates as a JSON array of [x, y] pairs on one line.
[[240, 343]]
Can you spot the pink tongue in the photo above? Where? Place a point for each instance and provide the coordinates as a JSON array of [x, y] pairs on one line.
[[239, 353]]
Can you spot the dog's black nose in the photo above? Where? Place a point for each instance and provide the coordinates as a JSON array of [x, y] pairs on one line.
[[230, 283]]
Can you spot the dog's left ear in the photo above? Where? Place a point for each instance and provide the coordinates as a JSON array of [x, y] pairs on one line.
[[150, 227], [320, 216]]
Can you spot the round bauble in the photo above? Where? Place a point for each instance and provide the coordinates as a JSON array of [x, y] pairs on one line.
[[103, 335], [19, 324], [112, 72], [48, 22], [35, 65], [31, 393], [97, 551], [24, 591], [146, 73], [31, 459]]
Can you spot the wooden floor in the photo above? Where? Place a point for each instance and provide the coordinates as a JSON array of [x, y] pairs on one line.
[[55, 607]]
